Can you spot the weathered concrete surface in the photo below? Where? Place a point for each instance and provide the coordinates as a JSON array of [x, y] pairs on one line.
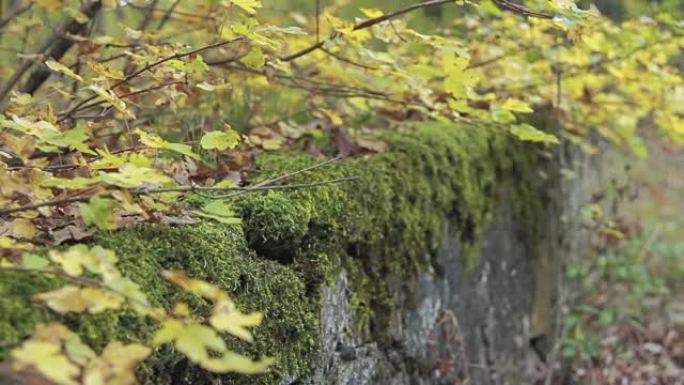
[[456, 324], [461, 325]]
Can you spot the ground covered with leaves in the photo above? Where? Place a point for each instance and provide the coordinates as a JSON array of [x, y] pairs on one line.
[[628, 326]]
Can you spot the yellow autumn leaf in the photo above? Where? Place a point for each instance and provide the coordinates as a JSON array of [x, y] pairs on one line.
[[23, 228], [61, 68], [99, 300], [516, 105], [106, 70], [77, 258], [194, 286], [458, 78], [216, 86], [50, 5], [116, 364], [372, 12], [22, 146], [48, 359], [334, 117], [157, 142], [271, 144], [63, 300], [254, 59], [226, 317], [113, 99], [131, 176], [10, 243], [194, 340], [249, 6], [74, 299], [72, 261], [181, 309], [529, 133]]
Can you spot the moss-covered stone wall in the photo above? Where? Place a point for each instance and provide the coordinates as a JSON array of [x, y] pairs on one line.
[[377, 228]]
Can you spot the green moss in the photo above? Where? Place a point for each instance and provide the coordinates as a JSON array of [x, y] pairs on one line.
[[208, 251], [378, 228], [384, 223]]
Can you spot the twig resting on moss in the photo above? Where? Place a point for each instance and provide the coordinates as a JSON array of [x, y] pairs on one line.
[[193, 188]]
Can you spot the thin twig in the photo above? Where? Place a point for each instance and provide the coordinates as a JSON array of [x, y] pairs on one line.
[[366, 24], [392, 15], [167, 15], [147, 191], [295, 173], [320, 86], [244, 190], [54, 47], [129, 94], [391, 23], [14, 14], [148, 13], [148, 67], [318, 20], [517, 8], [348, 61]]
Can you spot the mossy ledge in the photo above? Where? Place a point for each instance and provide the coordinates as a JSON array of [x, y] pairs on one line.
[[379, 228]]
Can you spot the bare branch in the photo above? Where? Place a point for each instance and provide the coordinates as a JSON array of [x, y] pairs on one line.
[[54, 47], [517, 8], [348, 61], [264, 185], [167, 14], [133, 93], [366, 24], [148, 67], [14, 14], [504, 4], [143, 191]]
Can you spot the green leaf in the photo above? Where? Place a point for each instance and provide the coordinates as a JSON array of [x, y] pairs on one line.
[[249, 6], [47, 358], [73, 183], [193, 340], [59, 67], [219, 211], [233, 362], [99, 212], [74, 138], [155, 141], [226, 317], [503, 116], [254, 59], [131, 176], [76, 14], [458, 78], [220, 140], [272, 144], [531, 134], [197, 65], [113, 99], [183, 149], [33, 261], [211, 87], [516, 105]]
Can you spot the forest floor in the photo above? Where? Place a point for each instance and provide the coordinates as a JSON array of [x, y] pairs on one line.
[[628, 326]]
